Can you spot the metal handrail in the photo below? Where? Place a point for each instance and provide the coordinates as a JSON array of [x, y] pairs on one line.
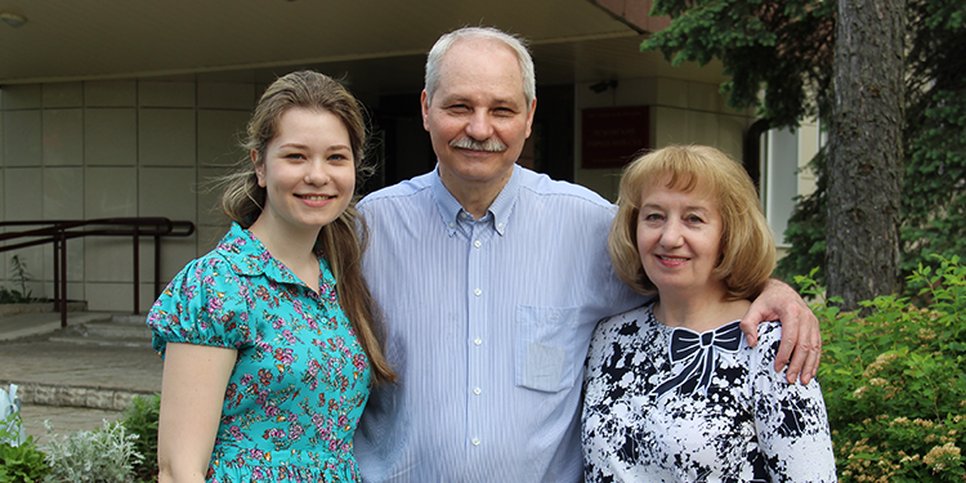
[[57, 232]]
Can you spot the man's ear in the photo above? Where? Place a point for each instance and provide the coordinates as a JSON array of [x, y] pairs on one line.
[[424, 105], [259, 167]]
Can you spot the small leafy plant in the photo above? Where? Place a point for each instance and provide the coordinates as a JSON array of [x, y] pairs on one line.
[[21, 276], [141, 418], [23, 463], [106, 455], [894, 382]]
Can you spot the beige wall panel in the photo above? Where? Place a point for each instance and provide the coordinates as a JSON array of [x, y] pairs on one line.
[[63, 193], [242, 76], [670, 126], [226, 95], [110, 137], [702, 128], [110, 192], [807, 149], [2, 148], [110, 259], [166, 94], [22, 136], [33, 258], [166, 137], [75, 262], [636, 92], [175, 253], [703, 97], [169, 192], [219, 136], [114, 93], [63, 137], [23, 194], [63, 94], [672, 93], [27, 96], [114, 297], [75, 290], [730, 135], [147, 296], [209, 236], [209, 197]]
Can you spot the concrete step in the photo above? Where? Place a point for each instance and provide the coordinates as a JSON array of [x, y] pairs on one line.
[[116, 331]]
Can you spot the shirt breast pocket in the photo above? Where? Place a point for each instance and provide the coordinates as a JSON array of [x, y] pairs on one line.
[[545, 357]]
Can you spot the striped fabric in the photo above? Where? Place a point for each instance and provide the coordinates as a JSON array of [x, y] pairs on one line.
[[488, 324]]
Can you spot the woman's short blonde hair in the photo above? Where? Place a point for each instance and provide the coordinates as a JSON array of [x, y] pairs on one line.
[[747, 246]]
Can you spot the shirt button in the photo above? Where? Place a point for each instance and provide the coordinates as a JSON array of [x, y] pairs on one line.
[[477, 341], [477, 244], [477, 391], [475, 441], [477, 292]]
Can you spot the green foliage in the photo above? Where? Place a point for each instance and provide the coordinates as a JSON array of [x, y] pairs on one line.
[[893, 380], [106, 455], [780, 47], [786, 49], [141, 418], [23, 464], [934, 201]]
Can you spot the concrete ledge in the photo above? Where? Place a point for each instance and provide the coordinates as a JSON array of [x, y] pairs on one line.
[[77, 396], [33, 308]]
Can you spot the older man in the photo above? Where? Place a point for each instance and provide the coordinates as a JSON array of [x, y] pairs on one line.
[[491, 279]]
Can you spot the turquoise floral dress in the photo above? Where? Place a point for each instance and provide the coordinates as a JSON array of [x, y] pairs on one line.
[[301, 379]]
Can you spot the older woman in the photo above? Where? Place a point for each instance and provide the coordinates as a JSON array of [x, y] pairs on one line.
[[673, 392]]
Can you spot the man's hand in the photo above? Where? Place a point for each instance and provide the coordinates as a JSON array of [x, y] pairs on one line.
[[800, 329]]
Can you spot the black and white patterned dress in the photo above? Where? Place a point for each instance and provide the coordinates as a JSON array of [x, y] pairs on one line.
[[717, 412]]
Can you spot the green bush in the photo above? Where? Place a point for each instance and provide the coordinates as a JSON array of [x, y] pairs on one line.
[[24, 463], [141, 418], [893, 380], [106, 455]]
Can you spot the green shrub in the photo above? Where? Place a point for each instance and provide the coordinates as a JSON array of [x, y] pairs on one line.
[[141, 418], [106, 455], [893, 380], [24, 463]]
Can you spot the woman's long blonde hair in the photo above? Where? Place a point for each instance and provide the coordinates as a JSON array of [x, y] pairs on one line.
[[340, 242]]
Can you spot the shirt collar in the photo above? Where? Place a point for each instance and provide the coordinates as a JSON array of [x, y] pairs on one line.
[[500, 209], [248, 256]]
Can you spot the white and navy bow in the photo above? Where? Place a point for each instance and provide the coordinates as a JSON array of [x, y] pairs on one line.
[[700, 355]]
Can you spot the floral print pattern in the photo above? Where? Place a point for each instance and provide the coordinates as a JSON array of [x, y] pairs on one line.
[[301, 379], [646, 418]]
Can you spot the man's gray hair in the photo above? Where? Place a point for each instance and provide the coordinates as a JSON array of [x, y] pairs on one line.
[[516, 43]]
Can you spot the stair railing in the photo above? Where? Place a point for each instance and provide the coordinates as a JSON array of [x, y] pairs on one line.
[[58, 232]]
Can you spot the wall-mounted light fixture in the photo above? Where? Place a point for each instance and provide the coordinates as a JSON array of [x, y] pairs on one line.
[[603, 86], [12, 19]]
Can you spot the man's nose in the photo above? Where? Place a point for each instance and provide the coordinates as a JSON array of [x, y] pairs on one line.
[[479, 126]]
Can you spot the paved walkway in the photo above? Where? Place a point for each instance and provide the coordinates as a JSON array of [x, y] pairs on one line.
[[77, 377]]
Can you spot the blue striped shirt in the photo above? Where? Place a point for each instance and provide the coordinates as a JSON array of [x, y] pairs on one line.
[[488, 323]]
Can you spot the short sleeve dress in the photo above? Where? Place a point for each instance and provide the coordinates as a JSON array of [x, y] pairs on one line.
[[670, 404], [301, 379]]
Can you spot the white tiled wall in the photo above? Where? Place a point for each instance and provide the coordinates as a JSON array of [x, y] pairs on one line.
[[118, 148]]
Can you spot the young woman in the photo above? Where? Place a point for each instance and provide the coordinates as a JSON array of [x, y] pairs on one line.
[[269, 340], [673, 392]]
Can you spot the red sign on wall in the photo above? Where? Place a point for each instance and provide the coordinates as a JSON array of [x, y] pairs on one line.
[[611, 136]]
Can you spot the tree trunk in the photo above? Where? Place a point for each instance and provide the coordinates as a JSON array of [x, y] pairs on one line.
[[865, 162]]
